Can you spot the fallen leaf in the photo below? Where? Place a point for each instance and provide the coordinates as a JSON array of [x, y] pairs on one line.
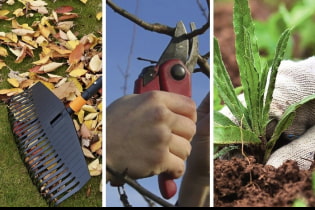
[[50, 67], [85, 132], [2, 64], [14, 82], [96, 146], [99, 15], [22, 31], [76, 54], [95, 168], [3, 52], [64, 90], [64, 9], [95, 64], [77, 72], [87, 153]]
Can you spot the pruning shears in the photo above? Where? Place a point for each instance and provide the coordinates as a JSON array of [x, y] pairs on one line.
[[172, 73]]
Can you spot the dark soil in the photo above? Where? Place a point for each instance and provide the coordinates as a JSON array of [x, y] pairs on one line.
[[243, 182]]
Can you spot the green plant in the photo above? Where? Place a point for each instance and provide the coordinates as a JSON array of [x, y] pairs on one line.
[[258, 82], [298, 15]]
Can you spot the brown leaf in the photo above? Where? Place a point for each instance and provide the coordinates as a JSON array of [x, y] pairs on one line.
[[64, 90], [76, 54], [64, 9]]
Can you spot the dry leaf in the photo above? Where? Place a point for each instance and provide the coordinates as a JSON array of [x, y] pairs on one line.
[[96, 146], [87, 153], [89, 108], [77, 72], [64, 90], [95, 168], [95, 64], [14, 82], [22, 31], [99, 15], [64, 9], [85, 132], [76, 54], [50, 67], [3, 52], [2, 64]]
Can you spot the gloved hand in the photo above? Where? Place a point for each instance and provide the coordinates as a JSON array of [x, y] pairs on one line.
[[295, 81]]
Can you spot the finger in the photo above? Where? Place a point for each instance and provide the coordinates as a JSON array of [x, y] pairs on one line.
[[174, 166], [177, 103], [183, 126], [180, 147]]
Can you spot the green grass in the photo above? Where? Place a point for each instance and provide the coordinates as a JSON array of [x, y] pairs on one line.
[[16, 187]]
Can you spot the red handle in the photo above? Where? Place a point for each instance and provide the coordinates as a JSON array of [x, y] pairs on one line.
[[171, 76]]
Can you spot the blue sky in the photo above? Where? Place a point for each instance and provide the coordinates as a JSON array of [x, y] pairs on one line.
[[149, 45]]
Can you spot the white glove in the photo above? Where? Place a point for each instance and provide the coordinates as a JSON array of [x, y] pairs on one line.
[[295, 81]]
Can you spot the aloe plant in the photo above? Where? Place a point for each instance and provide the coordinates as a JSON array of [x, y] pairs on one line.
[[258, 83]]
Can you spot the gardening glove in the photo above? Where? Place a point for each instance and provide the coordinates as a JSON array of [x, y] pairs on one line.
[[295, 81]]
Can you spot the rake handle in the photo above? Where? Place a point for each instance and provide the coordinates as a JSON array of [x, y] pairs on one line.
[[77, 103]]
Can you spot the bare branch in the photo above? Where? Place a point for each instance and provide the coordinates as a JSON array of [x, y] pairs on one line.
[[138, 187], [203, 64], [156, 27], [159, 28]]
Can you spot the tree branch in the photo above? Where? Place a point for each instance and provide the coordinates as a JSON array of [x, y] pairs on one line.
[[139, 188], [203, 64], [155, 27]]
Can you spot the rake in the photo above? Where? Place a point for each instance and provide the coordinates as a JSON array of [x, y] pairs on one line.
[[48, 142]]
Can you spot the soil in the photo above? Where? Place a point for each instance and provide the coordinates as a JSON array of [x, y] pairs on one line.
[[245, 182]]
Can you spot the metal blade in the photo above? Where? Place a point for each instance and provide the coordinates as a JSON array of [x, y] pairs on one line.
[[178, 47]]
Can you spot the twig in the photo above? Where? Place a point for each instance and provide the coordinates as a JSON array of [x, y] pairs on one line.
[[156, 27], [203, 64], [139, 188]]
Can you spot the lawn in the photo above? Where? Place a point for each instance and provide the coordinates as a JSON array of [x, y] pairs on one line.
[[16, 187]]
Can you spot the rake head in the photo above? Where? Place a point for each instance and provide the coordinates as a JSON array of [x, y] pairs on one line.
[[48, 143]]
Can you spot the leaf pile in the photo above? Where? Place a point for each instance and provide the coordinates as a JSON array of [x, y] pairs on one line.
[[62, 59]]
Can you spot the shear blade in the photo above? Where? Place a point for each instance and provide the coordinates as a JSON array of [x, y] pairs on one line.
[[178, 47]]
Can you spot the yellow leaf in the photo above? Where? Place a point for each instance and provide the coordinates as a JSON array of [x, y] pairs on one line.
[[12, 36], [18, 12], [14, 82], [2, 64], [42, 61], [44, 31], [77, 84], [80, 116], [89, 108], [11, 91], [90, 116], [3, 52], [49, 85], [71, 45], [100, 106], [71, 36], [77, 72], [84, 1], [96, 146], [29, 40], [99, 15], [4, 12]]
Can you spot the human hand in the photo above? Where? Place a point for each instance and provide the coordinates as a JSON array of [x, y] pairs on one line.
[[295, 81], [195, 187], [149, 133]]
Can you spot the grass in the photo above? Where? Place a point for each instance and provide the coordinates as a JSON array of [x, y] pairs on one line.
[[16, 187]]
